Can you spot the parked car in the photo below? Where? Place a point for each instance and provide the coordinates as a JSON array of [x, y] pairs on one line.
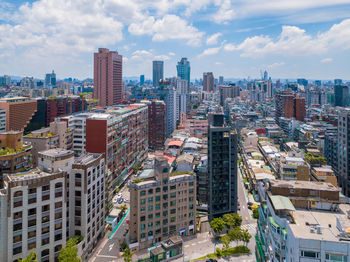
[[115, 200], [126, 200], [119, 195], [120, 200]]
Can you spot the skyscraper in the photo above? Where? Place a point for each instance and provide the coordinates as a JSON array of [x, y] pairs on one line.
[[50, 80], [221, 80], [343, 151], [184, 69], [208, 82], [299, 108], [142, 80], [341, 95], [108, 82], [158, 72], [284, 104], [222, 167]]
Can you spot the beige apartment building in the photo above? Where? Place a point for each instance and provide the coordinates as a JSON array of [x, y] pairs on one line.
[[58, 135], [163, 204]]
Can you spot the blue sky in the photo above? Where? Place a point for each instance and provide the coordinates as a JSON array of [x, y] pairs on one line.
[[233, 38]]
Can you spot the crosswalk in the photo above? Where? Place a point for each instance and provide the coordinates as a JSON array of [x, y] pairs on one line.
[[249, 227]]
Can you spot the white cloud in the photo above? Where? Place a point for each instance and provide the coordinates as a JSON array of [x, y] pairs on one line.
[[209, 51], [213, 39], [161, 57], [166, 28], [276, 65], [225, 12], [171, 53], [326, 60], [294, 41]]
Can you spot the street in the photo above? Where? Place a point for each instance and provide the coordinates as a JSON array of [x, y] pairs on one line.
[[108, 248]]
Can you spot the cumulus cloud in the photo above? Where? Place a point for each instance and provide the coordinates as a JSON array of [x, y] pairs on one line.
[[213, 39], [276, 65], [294, 41], [326, 60], [209, 51], [168, 27]]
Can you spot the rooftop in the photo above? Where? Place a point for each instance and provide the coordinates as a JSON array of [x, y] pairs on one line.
[[57, 152], [311, 185], [307, 221]]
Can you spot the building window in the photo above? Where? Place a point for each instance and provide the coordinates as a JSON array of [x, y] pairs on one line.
[[150, 208], [335, 257], [311, 254], [150, 200], [143, 201], [173, 219], [157, 198], [143, 193]]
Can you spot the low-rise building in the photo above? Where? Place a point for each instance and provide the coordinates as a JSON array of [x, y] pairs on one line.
[[291, 226], [162, 205], [55, 136]]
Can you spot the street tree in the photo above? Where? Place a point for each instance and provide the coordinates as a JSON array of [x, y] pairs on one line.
[[225, 240], [70, 252], [30, 258], [245, 237], [127, 255], [235, 234], [232, 220], [217, 224]]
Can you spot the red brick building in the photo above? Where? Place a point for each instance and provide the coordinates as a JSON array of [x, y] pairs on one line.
[[299, 108], [19, 112]]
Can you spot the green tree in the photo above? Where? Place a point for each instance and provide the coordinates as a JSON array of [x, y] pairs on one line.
[[245, 237], [124, 208], [70, 252], [225, 240], [30, 258], [235, 234], [217, 224], [127, 255], [232, 220]]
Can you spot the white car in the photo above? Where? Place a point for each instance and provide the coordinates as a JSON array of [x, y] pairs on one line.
[[119, 195], [126, 200], [115, 200]]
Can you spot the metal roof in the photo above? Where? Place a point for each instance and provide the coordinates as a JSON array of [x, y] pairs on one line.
[[282, 203]]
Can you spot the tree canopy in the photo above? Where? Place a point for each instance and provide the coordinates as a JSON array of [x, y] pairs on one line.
[[30, 258], [217, 224], [69, 253]]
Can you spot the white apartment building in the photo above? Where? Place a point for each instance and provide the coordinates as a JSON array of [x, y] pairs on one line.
[[42, 208], [290, 232]]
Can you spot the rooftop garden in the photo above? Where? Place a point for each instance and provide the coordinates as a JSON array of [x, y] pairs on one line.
[[10, 151], [181, 173]]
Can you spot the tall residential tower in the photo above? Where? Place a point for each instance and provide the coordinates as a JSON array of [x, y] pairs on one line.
[[108, 82]]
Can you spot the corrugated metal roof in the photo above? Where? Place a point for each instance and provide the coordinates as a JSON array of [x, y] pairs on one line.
[[282, 203]]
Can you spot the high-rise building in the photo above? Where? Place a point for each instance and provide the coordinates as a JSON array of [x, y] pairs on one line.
[[184, 70], [222, 167], [5, 80], [124, 128], [50, 80], [284, 105], [61, 106], [221, 80], [338, 82], [162, 205], [331, 148], [43, 207], [19, 111], [344, 151], [299, 108], [302, 81], [156, 123], [158, 72], [230, 91], [108, 82], [341, 95], [142, 80], [171, 109], [183, 97], [208, 82], [2, 120], [318, 82]]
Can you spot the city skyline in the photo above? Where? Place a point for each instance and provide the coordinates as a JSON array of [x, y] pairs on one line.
[[237, 40]]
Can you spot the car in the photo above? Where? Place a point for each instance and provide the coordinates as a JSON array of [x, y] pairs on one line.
[[211, 260], [115, 200], [120, 200], [119, 195], [126, 200]]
